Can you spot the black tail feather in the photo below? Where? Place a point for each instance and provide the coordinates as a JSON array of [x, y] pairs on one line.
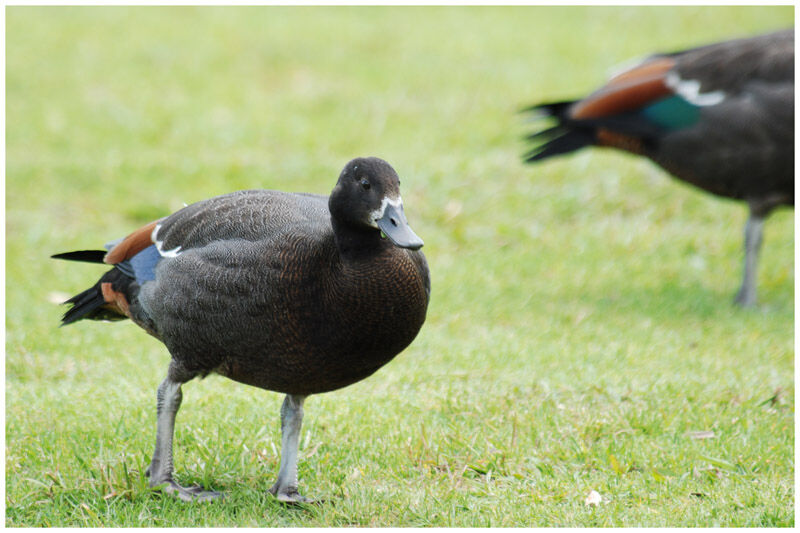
[[84, 305], [553, 109], [87, 256], [564, 137], [90, 303], [547, 134], [569, 141], [569, 135]]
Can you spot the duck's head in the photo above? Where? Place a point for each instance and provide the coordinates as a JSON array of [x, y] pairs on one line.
[[367, 196]]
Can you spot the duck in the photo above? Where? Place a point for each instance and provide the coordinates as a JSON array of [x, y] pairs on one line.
[[295, 293], [719, 117]]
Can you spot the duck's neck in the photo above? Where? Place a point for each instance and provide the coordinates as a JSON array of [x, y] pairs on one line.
[[354, 242]]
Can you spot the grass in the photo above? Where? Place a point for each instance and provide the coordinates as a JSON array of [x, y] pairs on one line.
[[580, 336]]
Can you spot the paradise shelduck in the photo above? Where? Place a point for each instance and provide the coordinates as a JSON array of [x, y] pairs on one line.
[[294, 293], [720, 117]]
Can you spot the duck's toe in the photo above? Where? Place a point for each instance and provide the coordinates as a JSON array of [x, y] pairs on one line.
[[291, 496], [195, 493]]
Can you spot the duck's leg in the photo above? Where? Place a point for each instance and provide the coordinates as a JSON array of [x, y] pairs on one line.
[[753, 233], [285, 488], [160, 470]]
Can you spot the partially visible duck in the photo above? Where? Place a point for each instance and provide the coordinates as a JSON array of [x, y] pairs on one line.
[[720, 117], [294, 293]]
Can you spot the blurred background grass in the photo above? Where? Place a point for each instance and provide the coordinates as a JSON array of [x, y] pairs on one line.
[[580, 328]]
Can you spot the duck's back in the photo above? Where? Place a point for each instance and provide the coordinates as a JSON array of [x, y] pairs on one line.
[[251, 215], [258, 292], [743, 146]]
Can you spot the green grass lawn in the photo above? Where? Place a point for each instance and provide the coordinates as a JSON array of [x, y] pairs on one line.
[[581, 334]]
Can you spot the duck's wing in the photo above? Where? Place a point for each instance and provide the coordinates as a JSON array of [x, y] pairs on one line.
[[732, 66], [246, 216]]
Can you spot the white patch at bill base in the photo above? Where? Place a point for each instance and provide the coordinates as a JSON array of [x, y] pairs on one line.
[[377, 214]]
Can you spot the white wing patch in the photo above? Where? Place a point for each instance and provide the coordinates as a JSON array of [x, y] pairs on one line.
[[690, 90], [160, 244], [377, 214]]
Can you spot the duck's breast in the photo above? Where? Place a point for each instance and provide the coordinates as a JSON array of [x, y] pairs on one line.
[[337, 323]]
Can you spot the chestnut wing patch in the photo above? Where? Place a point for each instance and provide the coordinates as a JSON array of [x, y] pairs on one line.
[[132, 244], [627, 92]]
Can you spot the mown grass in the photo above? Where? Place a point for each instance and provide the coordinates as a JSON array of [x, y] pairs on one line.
[[580, 336]]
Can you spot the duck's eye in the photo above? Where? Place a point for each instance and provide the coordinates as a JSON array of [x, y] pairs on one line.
[[365, 183]]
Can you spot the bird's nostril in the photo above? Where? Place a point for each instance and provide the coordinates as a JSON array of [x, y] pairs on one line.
[[393, 221]]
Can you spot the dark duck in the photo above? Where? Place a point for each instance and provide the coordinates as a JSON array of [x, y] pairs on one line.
[[720, 117], [294, 293]]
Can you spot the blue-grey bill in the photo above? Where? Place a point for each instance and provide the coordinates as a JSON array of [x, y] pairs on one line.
[[394, 225]]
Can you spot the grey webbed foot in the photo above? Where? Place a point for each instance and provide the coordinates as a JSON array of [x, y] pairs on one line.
[[290, 496], [195, 493], [160, 469], [285, 488]]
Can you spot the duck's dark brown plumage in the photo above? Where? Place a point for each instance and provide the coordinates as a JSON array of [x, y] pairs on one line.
[[720, 117], [276, 305], [295, 293]]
